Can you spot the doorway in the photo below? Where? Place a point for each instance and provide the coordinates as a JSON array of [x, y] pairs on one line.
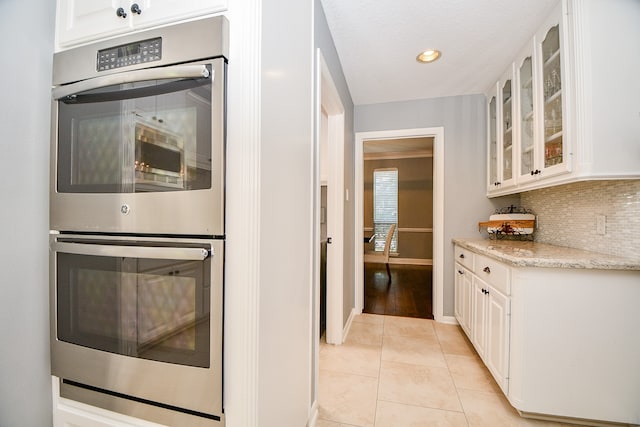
[[435, 263], [398, 189], [331, 194]]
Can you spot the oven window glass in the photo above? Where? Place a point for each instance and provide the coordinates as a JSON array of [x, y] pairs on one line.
[[146, 308], [149, 136]]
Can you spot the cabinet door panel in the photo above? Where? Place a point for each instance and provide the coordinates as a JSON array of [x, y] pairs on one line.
[[463, 289], [493, 144], [82, 20], [526, 134], [160, 11], [497, 351], [553, 157], [478, 324]]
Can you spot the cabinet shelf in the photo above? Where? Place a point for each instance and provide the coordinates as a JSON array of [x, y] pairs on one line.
[[553, 137], [528, 116], [553, 56], [553, 97]]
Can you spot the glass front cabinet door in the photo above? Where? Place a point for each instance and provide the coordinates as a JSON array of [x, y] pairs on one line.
[[507, 139], [526, 119], [553, 157], [501, 135], [493, 154]]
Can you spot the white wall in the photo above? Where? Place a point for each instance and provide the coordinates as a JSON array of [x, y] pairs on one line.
[[25, 71], [286, 213], [464, 122]]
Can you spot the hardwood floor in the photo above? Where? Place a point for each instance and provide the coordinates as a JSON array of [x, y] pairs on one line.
[[409, 294]]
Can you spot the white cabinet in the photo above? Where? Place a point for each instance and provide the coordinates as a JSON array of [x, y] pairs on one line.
[[80, 21], [556, 340], [491, 310], [462, 305], [498, 328], [463, 288], [482, 309], [574, 110], [501, 134]]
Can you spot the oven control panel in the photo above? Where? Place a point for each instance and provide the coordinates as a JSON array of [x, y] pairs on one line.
[[130, 54]]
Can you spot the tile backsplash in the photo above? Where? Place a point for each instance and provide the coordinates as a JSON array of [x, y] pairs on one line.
[[567, 216]]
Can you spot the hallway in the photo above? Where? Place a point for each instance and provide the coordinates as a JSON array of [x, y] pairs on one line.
[[405, 372]]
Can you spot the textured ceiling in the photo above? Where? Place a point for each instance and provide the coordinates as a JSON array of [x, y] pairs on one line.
[[378, 41]]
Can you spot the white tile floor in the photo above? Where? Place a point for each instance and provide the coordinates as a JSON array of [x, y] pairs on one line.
[[403, 372]]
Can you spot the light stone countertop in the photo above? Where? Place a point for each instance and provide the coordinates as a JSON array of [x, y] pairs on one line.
[[533, 254]]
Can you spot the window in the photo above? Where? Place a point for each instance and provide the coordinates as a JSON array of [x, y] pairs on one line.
[[385, 207]]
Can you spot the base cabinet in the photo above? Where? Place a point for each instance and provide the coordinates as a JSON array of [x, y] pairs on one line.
[[562, 343], [488, 319], [463, 289]]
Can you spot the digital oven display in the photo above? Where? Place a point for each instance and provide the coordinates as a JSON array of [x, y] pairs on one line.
[[129, 54]]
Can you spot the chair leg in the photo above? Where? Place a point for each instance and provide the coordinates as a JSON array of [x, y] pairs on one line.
[[389, 272]]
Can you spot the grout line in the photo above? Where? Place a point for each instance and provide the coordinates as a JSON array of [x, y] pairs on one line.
[[446, 361]]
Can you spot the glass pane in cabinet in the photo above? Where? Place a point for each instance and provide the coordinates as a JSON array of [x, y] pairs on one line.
[[493, 142], [526, 116], [552, 89], [507, 134]]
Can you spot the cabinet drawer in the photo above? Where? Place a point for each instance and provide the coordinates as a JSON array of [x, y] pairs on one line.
[[493, 272], [464, 257]]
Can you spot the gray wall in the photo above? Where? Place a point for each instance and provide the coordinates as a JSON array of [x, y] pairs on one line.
[[27, 48], [324, 42], [464, 122]]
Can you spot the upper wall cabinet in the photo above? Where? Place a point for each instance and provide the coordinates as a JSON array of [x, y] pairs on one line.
[[501, 107], [574, 110], [80, 21]]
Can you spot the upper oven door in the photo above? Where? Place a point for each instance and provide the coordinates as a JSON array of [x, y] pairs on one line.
[[140, 151], [140, 318]]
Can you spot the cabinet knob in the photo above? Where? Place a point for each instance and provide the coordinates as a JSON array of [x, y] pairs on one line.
[[121, 13], [460, 272], [487, 270], [136, 9], [461, 256]]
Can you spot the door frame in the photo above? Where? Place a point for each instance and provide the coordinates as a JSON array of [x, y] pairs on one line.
[[329, 100], [438, 210]]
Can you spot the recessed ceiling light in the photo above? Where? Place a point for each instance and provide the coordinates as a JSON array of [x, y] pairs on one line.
[[428, 55]]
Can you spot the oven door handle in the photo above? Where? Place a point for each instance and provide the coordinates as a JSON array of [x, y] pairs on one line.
[[193, 254], [164, 73]]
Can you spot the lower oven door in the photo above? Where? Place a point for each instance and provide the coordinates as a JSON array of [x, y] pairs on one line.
[[139, 318]]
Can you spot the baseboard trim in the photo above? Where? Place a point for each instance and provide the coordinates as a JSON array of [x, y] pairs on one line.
[[313, 416], [449, 320], [347, 326]]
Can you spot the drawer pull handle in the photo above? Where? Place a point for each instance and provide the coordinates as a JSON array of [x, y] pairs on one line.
[[462, 256], [487, 270], [460, 272]]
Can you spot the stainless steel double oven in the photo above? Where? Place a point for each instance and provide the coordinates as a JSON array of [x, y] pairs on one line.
[[137, 222]]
